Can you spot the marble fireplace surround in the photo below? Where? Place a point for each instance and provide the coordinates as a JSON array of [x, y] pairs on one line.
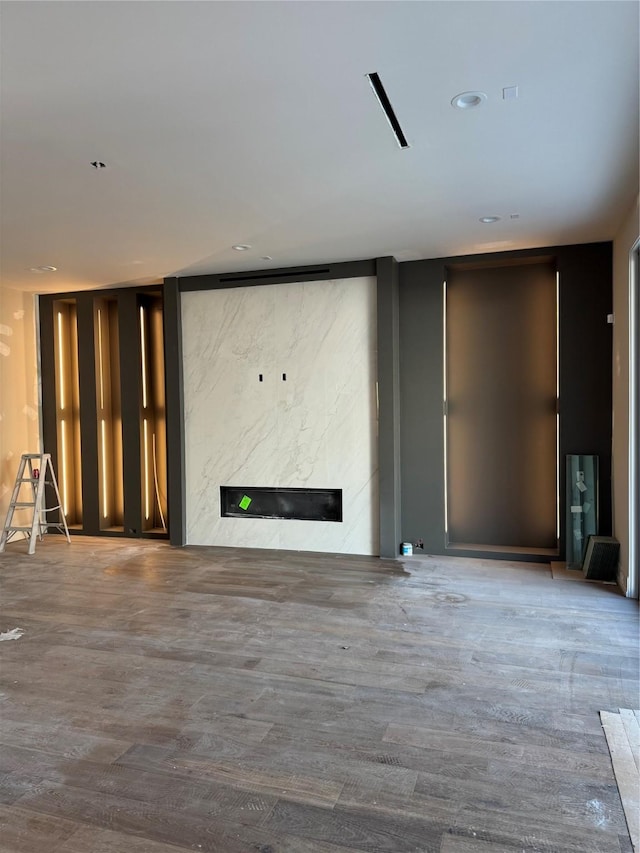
[[280, 391]]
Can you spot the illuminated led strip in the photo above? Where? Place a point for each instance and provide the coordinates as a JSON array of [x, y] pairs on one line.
[[143, 350], [61, 360], [100, 359], [444, 403], [65, 473], [558, 406], [103, 432], [146, 471]]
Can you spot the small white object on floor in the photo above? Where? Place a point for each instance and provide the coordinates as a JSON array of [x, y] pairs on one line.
[[13, 634]]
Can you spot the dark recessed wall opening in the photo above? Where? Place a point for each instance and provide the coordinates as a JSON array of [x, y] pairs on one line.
[[584, 386], [501, 405], [64, 401], [300, 504], [109, 415], [103, 409], [153, 436]]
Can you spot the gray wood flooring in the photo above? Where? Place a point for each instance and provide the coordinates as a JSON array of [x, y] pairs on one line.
[[240, 701]]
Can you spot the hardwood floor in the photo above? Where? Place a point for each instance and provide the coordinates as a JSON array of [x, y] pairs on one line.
[[236, 701]]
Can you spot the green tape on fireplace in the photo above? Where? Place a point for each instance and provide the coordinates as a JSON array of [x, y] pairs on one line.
[[244, 503]]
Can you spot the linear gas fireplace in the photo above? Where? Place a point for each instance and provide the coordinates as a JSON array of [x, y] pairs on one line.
[[301, 504]]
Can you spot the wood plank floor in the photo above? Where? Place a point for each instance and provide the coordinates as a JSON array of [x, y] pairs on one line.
[[622, 731], [240, 701]]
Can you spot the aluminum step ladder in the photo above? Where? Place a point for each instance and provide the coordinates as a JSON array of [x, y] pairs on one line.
[[36, 470]]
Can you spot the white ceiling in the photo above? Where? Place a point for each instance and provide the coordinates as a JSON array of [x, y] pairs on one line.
[[253, 122]]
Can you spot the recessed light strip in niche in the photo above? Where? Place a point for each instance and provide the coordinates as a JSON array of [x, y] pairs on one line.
[[385, 103]]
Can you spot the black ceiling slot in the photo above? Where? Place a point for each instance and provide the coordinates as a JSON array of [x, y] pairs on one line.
[[385, 103], [260, 276]]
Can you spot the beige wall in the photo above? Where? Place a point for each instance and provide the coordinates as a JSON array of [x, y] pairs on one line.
[[623, 242], [19, 406]]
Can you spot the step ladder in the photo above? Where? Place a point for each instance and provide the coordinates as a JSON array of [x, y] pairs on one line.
[[36, 470]]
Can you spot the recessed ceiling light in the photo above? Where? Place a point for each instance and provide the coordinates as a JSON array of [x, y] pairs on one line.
[[468, 100], [489, 219], [266, 258], [43, 269], [98, 164], [241, 247]]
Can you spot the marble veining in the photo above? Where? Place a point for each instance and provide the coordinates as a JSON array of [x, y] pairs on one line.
[[317, 429]]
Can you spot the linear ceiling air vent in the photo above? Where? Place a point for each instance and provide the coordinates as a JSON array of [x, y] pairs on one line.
[[385, 103], [306, 274]]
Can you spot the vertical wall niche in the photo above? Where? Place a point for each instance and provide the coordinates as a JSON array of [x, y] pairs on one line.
[[66, 403], [153, 445], [104, 416], [109, 415], [501, 392]]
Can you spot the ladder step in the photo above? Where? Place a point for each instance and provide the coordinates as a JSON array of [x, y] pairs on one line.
[[24, 504], [38, 524]]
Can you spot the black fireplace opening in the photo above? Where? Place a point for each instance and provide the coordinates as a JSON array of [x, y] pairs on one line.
[[268, 502]]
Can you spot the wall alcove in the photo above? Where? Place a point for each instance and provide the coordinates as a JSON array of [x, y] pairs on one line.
[[103, 409]]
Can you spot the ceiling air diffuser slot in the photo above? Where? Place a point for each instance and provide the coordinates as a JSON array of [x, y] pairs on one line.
[[308, 274], [385, 103]]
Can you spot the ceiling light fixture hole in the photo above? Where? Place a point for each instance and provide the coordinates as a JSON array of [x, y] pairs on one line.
[[468, 100], [98, 164], [488, 220], [241, 247]]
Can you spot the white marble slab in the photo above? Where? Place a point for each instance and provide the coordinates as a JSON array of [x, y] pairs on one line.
[[317, 429]]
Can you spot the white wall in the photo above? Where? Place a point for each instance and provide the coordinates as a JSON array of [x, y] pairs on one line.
[[19, 404], [622, 244], [318, 429]]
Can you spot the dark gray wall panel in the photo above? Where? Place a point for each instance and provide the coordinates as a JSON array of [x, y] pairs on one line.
[[175, 412], [388, 406], [586, 341], [88, 415], [421, 403], [129, 345]]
